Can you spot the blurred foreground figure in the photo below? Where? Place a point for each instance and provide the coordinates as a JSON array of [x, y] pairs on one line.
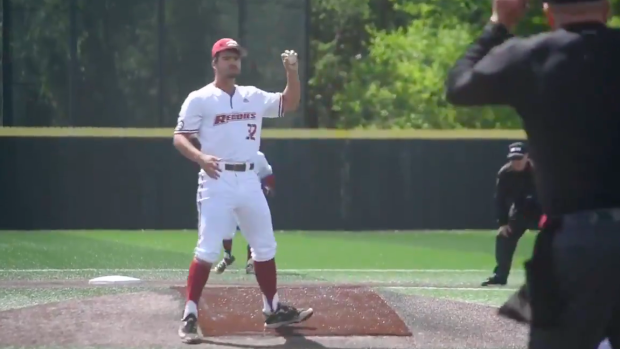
[[564, 85]]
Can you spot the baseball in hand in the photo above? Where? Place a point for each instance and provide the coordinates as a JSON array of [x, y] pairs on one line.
[[292, 57], [289, 58]]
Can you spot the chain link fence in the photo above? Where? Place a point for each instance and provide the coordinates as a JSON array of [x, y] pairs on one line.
[[119, 63]]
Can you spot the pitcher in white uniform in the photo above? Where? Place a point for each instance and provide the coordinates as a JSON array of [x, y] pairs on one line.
[[227, 119]]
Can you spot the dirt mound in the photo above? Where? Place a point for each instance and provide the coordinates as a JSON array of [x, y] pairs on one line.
[[142, 319], [444, 323], [339, 311], [150, 319]]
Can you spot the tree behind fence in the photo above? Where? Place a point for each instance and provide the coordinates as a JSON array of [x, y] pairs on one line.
[[119, 63]]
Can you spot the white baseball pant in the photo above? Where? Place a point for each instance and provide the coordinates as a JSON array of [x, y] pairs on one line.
[[235, 197]]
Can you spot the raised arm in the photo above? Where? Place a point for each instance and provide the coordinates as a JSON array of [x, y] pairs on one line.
[[491, 72], [291, 96], [278, 103]]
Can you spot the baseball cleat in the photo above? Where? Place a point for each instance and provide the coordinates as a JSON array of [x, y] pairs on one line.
[[494, 281], [286, 315], [189, 330], [249, 267], [221, 266]]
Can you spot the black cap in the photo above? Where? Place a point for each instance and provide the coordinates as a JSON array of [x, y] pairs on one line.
[[516, 150], [562, 2]]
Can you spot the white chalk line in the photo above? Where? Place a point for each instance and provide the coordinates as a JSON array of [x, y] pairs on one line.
[[462, 289], [361, 271], [478, 289]]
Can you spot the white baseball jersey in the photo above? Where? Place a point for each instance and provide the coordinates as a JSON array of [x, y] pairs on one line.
[[228, 127], [261, 166]]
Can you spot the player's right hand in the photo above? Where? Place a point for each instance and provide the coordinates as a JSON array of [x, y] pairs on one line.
[[289, 59], [210, 164]]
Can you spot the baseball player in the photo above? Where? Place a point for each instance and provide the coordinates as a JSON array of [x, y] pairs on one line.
[[228, 120], [265, 174]]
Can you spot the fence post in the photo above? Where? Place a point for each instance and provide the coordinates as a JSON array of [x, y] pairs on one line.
[[241, 18], [73, 61], [7, 64], [311, 120], [161, 42]]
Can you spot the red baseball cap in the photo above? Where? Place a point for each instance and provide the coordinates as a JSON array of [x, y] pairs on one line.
[[227, 44]]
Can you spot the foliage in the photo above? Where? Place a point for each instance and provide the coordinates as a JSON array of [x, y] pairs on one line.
[[373, 63], [394, 77], [117, 70], [400, 82], [339, 33]]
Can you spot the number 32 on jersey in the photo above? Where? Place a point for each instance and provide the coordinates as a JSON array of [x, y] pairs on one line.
[[251, 132]]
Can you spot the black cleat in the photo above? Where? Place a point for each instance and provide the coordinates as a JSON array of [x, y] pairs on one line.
[[286, 315], [189, 330], [223, 264], [494, 281]]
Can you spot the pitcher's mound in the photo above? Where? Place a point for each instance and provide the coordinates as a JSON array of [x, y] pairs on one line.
[[338, 311]]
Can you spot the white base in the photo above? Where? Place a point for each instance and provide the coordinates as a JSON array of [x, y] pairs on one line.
[[114, 280]]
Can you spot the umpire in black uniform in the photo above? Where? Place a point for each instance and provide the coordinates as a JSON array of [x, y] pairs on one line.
[[565, 85], [516, 207]]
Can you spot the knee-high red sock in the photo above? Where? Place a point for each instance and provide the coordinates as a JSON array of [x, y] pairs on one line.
[[197, 279], [249, 253], [267, 280]]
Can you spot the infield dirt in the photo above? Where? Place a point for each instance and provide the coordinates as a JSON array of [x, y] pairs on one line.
[[346, 317]]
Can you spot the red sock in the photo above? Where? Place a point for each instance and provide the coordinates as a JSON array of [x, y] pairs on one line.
[[267, 278], [249, 252], [197, 279]]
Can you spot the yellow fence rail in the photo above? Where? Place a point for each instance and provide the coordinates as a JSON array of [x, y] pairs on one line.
[[267, 133]]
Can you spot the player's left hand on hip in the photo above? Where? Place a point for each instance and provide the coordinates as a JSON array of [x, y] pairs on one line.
[[289, 59]]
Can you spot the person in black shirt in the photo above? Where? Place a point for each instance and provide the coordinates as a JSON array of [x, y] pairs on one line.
[[516, 207], [564, 84]]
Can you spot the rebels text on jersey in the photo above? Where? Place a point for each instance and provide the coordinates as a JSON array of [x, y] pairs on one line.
[[228, 127]]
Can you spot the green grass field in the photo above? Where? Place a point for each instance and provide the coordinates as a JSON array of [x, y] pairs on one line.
[[445, 264]]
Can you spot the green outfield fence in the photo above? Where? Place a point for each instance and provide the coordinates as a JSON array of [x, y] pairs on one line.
[[88, 178], [120, 63], [131, 178]]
